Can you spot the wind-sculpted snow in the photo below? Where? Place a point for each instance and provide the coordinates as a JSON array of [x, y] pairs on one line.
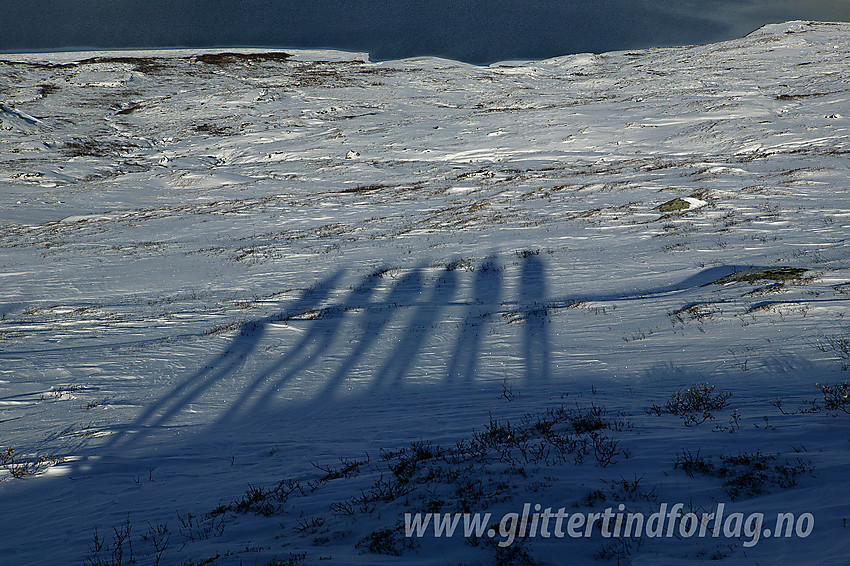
[[221, 267]]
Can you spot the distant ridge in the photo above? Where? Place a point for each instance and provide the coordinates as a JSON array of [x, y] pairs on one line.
[[473, 31]]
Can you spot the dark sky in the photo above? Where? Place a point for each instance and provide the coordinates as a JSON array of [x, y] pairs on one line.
[[476, 31]]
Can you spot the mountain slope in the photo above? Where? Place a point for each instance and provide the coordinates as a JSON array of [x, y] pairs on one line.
[[223, 268]]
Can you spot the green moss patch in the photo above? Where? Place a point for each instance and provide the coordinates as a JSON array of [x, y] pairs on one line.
[[674, 205], [777, 274]]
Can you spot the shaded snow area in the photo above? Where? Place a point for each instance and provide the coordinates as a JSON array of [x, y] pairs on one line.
[[257, 306]]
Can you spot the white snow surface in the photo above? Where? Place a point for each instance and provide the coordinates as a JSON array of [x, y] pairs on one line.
[[202, 293]]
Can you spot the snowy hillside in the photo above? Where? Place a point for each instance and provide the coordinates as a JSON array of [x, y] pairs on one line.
[[237, 286]]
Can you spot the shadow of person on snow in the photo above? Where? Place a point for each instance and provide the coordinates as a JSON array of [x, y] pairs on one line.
[[533, 303], [481, 306], [423, 300]]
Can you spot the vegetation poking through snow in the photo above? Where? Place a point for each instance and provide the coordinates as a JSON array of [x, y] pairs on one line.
[[776, 274], [674, 205], [20, 467], [836, 397], [840, 345], [695, 404], [474, 474], [745, 475]]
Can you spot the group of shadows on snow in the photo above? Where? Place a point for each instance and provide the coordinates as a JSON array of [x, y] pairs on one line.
[[425, 299]]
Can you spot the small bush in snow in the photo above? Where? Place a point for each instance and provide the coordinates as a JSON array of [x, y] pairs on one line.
[[693, 404], [836, 397]]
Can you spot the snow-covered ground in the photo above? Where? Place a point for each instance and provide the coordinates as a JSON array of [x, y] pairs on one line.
[[228, 277]]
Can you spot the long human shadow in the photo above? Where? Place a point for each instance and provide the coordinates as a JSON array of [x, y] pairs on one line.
[[486, 293], [405, 292], [532, 296], [484, 301], [307, 351], [423, 319], [225, 364]]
